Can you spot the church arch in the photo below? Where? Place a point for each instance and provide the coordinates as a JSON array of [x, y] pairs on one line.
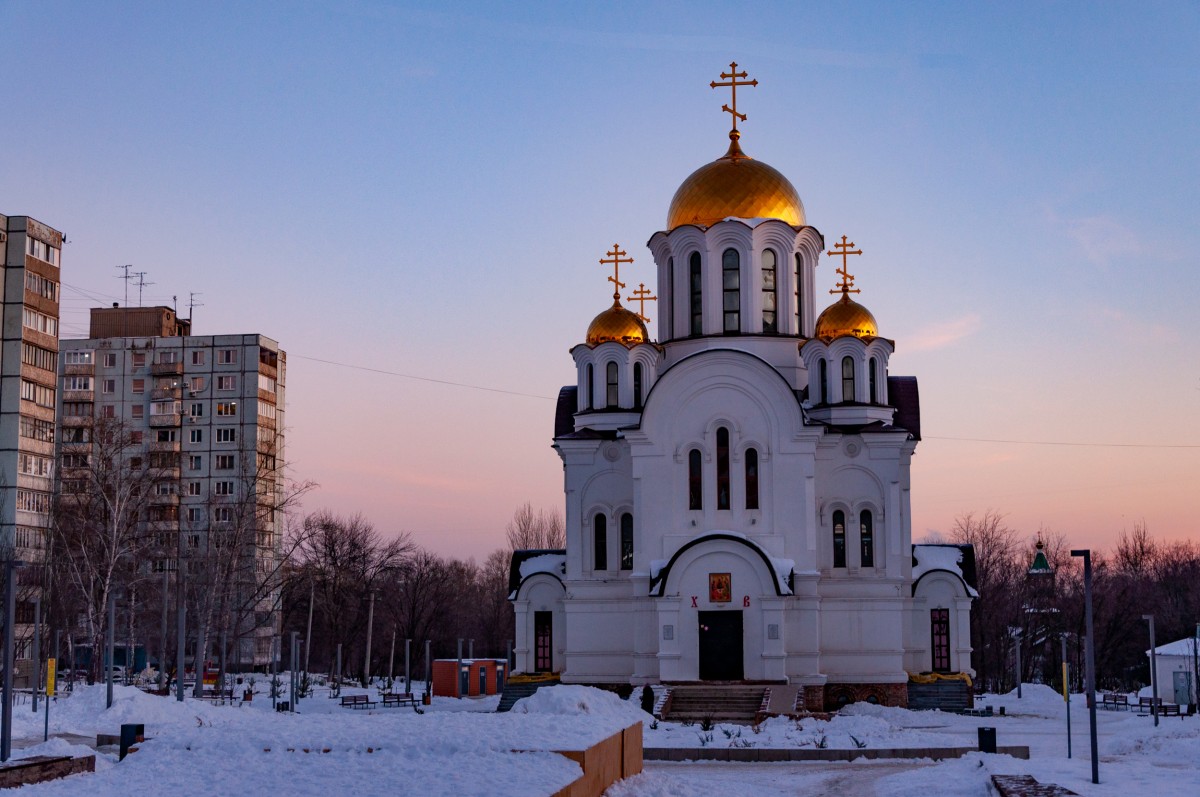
[[748, 549]]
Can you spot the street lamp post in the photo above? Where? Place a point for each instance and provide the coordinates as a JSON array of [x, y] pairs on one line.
[[1015, 633], [1090, 656], [10, 619], [1066, 690], [1153, 669]]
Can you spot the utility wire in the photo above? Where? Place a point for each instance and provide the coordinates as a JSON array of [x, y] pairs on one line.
[[423, 378], [1062, 443]]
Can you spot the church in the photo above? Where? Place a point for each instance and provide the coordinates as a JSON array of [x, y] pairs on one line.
[[737, 486]]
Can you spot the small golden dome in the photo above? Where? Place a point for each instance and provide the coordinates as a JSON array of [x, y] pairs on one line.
[[618, 324], [846, 317], [735, 185]]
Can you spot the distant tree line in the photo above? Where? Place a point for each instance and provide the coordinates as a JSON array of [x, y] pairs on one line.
[[1139, 576]]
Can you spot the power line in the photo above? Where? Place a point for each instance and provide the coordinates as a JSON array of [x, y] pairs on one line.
[[423, 378], [1062, 443]]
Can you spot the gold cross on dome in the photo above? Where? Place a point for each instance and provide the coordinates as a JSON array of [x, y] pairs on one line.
[[842, 249], [616, 257], [732, 75], [641, 296]]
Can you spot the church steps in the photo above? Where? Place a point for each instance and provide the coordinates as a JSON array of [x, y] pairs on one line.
[[716, 703]]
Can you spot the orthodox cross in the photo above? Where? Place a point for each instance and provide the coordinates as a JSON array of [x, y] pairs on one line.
[[641, 296], [732, 75], [616, 257], [843, 250]]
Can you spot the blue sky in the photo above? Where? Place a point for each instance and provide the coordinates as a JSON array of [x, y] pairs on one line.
[[425, 189]]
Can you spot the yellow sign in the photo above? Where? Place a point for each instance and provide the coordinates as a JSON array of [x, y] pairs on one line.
[[51, 666]]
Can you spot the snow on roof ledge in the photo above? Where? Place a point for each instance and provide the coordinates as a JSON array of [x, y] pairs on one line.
[[553, 563], [927, 558], [1180, 647]]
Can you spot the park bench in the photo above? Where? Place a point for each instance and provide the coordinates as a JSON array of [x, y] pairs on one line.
[[401, 699], [219, 695], [357, 701], [1115, 702]]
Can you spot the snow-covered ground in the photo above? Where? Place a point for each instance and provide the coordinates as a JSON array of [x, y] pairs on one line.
[[459, 747]]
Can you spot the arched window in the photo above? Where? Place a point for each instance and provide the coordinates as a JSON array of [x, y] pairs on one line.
[[823, 372], [873, 375], [695, 487], [696, 291], [752, 478], [839, 538], [611, 396], [626, 541], [731, 281], [588, 387], [770, 325], [722, 468], [799, 294], [637, 386], [670, 308], [866, 538], [600, 542], [847, 379]]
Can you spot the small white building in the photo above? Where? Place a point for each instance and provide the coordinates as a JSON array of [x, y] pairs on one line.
[[1176, 671], [737, 492]]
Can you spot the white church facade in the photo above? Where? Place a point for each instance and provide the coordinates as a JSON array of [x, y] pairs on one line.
[[738, 489]]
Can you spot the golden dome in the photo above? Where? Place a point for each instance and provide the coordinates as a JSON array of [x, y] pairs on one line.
[[735, 185], [617, 323], [846, 317]]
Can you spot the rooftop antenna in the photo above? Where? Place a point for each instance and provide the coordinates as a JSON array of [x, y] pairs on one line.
[[141, 275], [192, 304], [175, 305], [127, 277]]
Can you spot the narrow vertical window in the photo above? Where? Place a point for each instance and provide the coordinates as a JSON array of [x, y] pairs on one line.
[[588, 387], [696, 290], [695, 487], [873, 375], [637, 386], [847, 379], [669, 310], [939, 632], [839, 538], [600, 543], [799, 295], [752, 478], [731, 281], [626, 541], [611, 397], [866, 538], [823, 372], [769, 323], [722, 468]]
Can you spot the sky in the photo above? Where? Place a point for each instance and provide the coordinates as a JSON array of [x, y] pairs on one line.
[[413, 197]]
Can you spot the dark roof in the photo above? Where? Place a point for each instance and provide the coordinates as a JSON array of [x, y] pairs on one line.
[[514, 567], [902, 390], [564, 412]]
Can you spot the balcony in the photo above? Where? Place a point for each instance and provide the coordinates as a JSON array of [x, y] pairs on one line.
[[79, 395], [172, 446], [170, 499], [87, 369], [161, 393], [77, 420], [165, 420], [167, 369]]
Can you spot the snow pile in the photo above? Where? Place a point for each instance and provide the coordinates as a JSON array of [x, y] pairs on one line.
[[552, 563], [572, 700]]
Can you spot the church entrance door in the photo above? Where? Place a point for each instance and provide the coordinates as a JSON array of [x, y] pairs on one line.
[[543, 641], [721, 646]]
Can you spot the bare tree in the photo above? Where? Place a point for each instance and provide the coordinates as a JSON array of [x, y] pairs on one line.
[[529, 529]]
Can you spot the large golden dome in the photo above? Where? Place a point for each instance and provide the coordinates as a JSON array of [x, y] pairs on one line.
[[846, 317], [735, 185], [617, 324]]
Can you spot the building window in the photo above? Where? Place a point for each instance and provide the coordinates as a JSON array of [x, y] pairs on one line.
[[611, 395], [670, 308], [866, 538], [195, 462], [226, 408], [197, 435], [223, 514], [224, 462], [166, 435], [600, 542], [193, 488], [626, 541], [138, 411], [195, 515], [39, 394], [798, 295], [108, 411], [197, 356], [226, 383], [77, 383], [823, 373], [722, 468], [40, 286], [731, 294], [166, 488], [39, 322], [42, 251], [227, 434], [637, 386], [226, 356], [752, 478], [139, 359], [79, 357], [197, 410], [696, 291], [587, 388], [110, 360], [108, 385], [873, 375], [39, 358], [166, 407], [939, 632], [266, 410], [770, 325], [37, 429], [135, 437], [839, 538], [847, 379], [266, 383], [223, 488], [196, 384], [695, 486], [139, 386]]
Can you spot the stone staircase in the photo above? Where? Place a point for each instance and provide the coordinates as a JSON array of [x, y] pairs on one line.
[[944, 695], [517, 687], [718, 702]]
